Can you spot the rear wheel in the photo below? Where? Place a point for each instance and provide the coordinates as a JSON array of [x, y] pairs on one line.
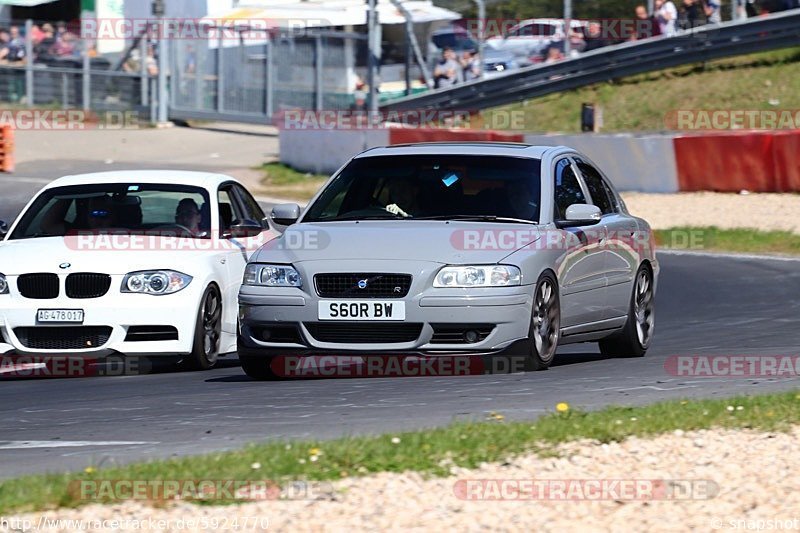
[[634, 339], [545, 324], [207, 331]]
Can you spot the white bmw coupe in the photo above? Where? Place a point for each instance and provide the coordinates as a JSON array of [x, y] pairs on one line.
[[131, 262]]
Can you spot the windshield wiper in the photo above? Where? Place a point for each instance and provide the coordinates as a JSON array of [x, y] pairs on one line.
[[387, 216], [478, 218]]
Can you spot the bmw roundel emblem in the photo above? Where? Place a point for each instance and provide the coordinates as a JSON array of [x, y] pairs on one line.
[[64, 265], [362, 284]]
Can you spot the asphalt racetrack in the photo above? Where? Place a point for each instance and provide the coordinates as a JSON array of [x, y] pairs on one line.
[[705, 305]]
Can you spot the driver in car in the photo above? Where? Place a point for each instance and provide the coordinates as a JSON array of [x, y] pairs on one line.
[[403, 198], [522, 200], [187, 215]]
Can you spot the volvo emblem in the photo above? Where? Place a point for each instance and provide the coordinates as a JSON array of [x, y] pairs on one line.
[[64, 265], [362, 284]]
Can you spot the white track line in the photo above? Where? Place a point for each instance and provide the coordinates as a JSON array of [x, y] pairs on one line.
[[25, 444], [723, 255]]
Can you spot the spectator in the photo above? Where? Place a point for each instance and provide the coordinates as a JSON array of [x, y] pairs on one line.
[[666, 14], [448, 71], [66, 42], [470, 65], [16, 46], [711, 8], [4, 40], [360, 95], [689, 15], [43, 50], [646, 26], [553, 54], [134, 64], [595, 38]]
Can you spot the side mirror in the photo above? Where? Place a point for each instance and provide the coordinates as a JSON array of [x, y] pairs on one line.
[[285, 214], [245, 228], [580, 215], [3, 229]]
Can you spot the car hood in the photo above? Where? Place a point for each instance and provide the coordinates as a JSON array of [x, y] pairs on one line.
[[431, 241], [45, 254]]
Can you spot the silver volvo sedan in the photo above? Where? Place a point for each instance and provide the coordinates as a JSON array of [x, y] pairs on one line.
[[443, 249]]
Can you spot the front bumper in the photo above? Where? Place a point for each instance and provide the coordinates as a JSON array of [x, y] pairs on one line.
[[506, 309], [115, 312]]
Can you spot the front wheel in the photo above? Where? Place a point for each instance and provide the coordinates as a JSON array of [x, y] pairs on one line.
[[634, 339], [545, 327], [207, 331], [258, 368]]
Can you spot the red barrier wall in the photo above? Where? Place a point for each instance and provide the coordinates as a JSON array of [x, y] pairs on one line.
[[414, 135], [762, 161], [786, 160]]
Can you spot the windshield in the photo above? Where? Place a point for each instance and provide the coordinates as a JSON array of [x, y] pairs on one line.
[[418, 187], [128, 207]]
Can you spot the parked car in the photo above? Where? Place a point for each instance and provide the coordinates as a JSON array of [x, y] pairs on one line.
[[530, 38], [495, 62], [453, 248], [134, 262]]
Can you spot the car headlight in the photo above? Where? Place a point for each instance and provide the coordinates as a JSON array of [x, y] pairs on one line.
[[3, 284], [478, 276], [155, 282], [272, 275]]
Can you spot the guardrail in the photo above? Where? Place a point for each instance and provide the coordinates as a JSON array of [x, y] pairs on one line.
[[704, 43]]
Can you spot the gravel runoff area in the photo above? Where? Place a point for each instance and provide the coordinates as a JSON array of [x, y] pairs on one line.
[[764, 211], [720, 479]]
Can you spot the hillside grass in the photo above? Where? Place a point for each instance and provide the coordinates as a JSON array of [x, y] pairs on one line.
[[763, 81]]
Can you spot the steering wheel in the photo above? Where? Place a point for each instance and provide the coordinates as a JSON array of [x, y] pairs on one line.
[[180, 227]]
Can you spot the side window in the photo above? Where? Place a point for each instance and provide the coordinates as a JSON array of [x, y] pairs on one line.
[[253, 211], [597, 189], [567, 189], [228, 209]]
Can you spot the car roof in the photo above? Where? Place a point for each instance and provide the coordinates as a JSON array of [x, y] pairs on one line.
[[509, 149], [207, 180]]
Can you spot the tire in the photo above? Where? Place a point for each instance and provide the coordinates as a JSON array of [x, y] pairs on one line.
[[207, 332], [258, 368], [545, 329], [634, 338]]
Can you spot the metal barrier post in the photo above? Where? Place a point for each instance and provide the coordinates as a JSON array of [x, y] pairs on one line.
[[270, 79], [318, 66], [143, 67], [86, 80], [64, 90], [221, 75], [29, 63]]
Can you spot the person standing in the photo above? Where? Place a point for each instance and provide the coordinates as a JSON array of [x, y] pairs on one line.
[[666, 14], [471, 66], [448, 71]]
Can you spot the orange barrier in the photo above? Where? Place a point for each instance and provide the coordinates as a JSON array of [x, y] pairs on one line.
[[727, 162], [6, 148], [758, 161], [416, 135], [786, 160]]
